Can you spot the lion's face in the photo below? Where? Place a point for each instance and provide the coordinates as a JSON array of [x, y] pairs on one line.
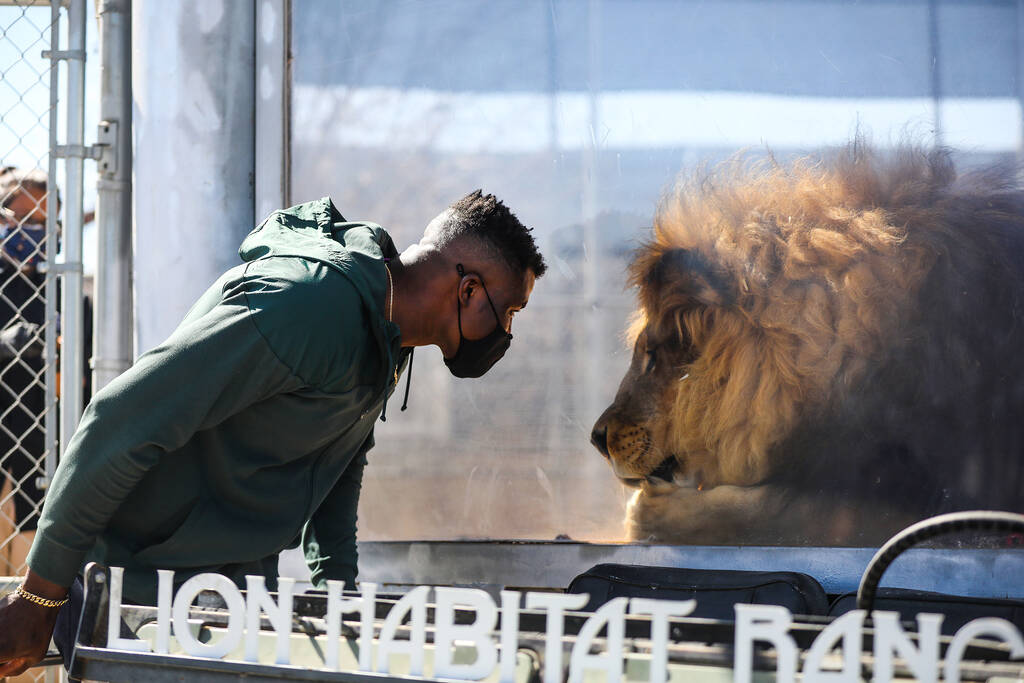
[[681, 414], [758, 306], [843, 333], [634, 433]]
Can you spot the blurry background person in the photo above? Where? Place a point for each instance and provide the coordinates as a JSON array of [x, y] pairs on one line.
[[23, 198]]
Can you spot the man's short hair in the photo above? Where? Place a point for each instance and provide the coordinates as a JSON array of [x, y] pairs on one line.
[[487, 219]]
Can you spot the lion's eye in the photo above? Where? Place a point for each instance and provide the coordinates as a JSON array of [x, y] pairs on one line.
[[648, 361]]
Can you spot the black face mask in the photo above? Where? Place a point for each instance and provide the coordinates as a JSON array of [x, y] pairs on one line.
[[474, 357]]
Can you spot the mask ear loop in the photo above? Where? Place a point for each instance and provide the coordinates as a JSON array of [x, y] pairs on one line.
[[493, 309], [458, 302]]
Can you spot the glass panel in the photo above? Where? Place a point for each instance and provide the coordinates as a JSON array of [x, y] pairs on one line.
[[579, 115]]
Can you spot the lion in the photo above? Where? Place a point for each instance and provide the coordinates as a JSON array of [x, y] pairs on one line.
[[824, 351]]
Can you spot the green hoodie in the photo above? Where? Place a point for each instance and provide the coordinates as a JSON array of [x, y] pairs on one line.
[[247, 430]]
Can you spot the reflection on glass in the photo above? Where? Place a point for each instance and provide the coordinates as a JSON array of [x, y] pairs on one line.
[[579, 114]]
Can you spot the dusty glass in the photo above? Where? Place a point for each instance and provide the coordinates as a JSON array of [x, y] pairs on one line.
[[580, 115]]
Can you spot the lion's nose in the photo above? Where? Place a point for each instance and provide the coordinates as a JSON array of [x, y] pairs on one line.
[[599, 437]]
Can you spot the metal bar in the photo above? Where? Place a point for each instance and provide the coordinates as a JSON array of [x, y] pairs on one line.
[[935, 76], [1019, 74], [50, 283], [59, 268], [311, 610], [286, 102], [64, 54], [50, 419], [112, 665], [271, 141], [72, 352], [594, 271], [112, 350], [496, 564], [77, 152]]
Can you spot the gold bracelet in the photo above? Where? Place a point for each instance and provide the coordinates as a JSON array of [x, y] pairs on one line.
[[44, 602]]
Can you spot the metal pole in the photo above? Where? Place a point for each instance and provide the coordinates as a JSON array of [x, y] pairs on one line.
[[50, 285], [593, 272], [272, 102], [552, 50], [934, 52], [1020, 73], [112, 349], [71, 352]]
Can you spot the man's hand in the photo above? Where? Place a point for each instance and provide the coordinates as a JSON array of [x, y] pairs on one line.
[[25, 627]]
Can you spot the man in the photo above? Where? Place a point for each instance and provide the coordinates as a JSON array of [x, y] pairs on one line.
[[23, 206], [246, 431]]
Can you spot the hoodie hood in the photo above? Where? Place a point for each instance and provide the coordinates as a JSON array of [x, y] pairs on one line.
[[316, 231]]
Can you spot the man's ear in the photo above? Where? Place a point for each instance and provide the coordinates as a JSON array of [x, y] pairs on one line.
[[687, 272], [469, 285]]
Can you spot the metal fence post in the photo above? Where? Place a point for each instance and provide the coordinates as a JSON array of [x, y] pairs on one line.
[[71, 278], [112, 351], [50, 289]]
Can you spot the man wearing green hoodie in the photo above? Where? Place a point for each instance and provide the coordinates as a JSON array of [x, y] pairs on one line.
[[246, 432]]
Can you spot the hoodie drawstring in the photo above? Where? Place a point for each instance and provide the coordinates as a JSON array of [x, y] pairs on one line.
[[408, 381]]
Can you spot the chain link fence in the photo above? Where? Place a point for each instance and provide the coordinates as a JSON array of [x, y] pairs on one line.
[[26, 198], [29, 242]]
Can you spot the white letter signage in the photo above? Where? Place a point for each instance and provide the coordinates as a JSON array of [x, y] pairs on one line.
[[114, 639], [415, 603], [478, 633], [989, 626], [835, 655], [768, 623], [611, 614], [236, 615], [556, 604], [660, 611], [279, 613], [509, 634], [848, 628], [890, 638]]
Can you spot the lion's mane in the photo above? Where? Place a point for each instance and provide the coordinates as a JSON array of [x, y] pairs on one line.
[[858, 318]]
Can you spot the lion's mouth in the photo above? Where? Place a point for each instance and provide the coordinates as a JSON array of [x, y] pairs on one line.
[[667, 472], [667, 475]]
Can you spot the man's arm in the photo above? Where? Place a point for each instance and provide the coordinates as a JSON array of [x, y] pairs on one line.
[[213, 366], [329, 538], [209, 369]]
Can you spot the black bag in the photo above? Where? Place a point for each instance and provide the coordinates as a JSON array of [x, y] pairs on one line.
[[716, 591], [956, 610]]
